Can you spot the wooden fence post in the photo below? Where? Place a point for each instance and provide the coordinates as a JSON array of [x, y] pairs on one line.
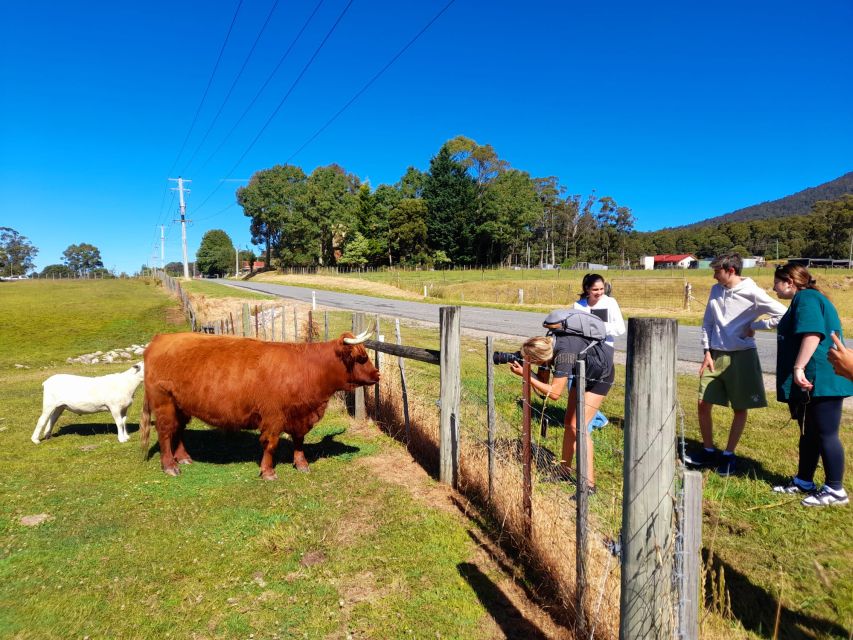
[[377, 364], [526, 479], [247, 326], [490, 403], [295, 326], [449, 324], [581, 499], [359, 408], [646, 607], [326, 324], [402, 365], [691, 560]]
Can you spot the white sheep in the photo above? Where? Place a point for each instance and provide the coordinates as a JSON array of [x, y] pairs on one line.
[[80, 394]]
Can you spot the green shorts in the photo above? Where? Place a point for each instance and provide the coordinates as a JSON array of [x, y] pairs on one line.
[[736, 379]]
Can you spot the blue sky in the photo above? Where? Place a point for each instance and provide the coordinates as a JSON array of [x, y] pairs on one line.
[[681, 111]]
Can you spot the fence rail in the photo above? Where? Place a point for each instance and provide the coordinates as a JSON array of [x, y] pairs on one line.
[[635, 571]]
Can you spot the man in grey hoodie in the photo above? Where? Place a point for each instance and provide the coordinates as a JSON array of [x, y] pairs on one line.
[[730, 373]]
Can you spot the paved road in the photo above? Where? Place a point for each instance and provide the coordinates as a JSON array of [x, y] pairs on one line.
[[521, 324]]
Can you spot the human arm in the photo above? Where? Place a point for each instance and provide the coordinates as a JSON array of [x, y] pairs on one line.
[[808, 346], [841, 358], [765, 305], [540, 382], [615, 321]]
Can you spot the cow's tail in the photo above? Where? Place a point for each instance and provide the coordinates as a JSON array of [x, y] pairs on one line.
[[145, 424]]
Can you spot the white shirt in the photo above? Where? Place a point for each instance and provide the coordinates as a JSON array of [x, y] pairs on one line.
[[614, 323]]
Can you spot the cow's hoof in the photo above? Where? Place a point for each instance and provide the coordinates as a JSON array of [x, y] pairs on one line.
[[302, 468], [122, 440], [269, 475], [185, 461], [35, 440], [172, 471]]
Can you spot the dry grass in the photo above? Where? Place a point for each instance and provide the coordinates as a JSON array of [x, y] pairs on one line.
[[547, 546]]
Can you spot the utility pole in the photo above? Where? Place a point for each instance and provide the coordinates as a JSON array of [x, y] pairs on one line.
[[180, 189], [162, 248], [777, 248], [237, 265]]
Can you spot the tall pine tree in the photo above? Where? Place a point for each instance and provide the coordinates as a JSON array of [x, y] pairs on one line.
[[450, 194]]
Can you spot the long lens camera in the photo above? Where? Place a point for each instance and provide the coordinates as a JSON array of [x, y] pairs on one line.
[[502, 357]]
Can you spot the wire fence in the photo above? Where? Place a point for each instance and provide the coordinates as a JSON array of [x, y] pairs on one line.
[[491, 469]]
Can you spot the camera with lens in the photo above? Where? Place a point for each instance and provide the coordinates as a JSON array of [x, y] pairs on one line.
[[502, 357]]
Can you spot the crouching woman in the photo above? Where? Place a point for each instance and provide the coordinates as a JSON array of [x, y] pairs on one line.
[[556, 356]]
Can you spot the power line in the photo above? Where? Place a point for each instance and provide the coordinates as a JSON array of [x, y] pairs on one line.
[[207, 88], [369, 82], [264, 85], [283, 100], [233, 84]]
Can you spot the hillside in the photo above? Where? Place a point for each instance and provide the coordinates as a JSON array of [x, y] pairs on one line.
[[799, 203]]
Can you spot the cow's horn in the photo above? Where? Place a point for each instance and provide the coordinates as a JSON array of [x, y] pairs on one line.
[[361, 337]]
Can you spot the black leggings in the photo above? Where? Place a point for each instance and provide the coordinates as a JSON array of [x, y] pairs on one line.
[[819, 421]]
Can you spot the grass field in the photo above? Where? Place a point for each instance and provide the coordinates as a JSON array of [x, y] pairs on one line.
[[220, 554], [639, 293], [123, 551], [765, 547]]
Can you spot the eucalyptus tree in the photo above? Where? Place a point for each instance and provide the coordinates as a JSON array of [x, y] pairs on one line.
[[216, 254], [332, 208], [511, 211], [83, 258], [16, 253], [276, 201]]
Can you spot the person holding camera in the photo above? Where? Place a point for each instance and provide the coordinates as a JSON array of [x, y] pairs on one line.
[[556, 355], [806, 381]]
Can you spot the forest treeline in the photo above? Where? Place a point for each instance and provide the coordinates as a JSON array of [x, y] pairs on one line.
[[472, 208]]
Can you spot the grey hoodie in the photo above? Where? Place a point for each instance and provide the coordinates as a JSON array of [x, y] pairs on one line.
[[730, 312]]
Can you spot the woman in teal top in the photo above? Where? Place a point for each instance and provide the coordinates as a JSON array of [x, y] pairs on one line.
[[806, 381]]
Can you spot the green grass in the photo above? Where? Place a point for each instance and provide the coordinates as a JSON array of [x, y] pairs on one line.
[[47, 321], [764, 543], [127, 552], [216, 289]]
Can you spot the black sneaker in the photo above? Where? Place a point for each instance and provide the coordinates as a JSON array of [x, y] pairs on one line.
[[728, 465], [702, 459]]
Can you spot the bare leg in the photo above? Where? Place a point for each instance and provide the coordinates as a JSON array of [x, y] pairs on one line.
[[706, 424], [592, 402], [738, 423]]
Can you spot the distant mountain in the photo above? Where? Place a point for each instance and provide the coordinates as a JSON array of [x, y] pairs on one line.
[[799, 203]]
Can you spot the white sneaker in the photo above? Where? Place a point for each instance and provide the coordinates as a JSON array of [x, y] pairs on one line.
[[826, 497], [796, 486]]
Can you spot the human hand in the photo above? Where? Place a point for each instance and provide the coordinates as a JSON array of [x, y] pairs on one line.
[[707, 363], [748, 332], [801, 381], [841, 358], [516, 367]]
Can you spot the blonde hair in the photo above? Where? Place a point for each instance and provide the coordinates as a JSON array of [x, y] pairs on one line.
[[539, 349]]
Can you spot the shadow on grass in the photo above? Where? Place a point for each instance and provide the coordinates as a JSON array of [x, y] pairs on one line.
[[227, 447], [755, 609], [748, 467], [503, 611], [92, 429]]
